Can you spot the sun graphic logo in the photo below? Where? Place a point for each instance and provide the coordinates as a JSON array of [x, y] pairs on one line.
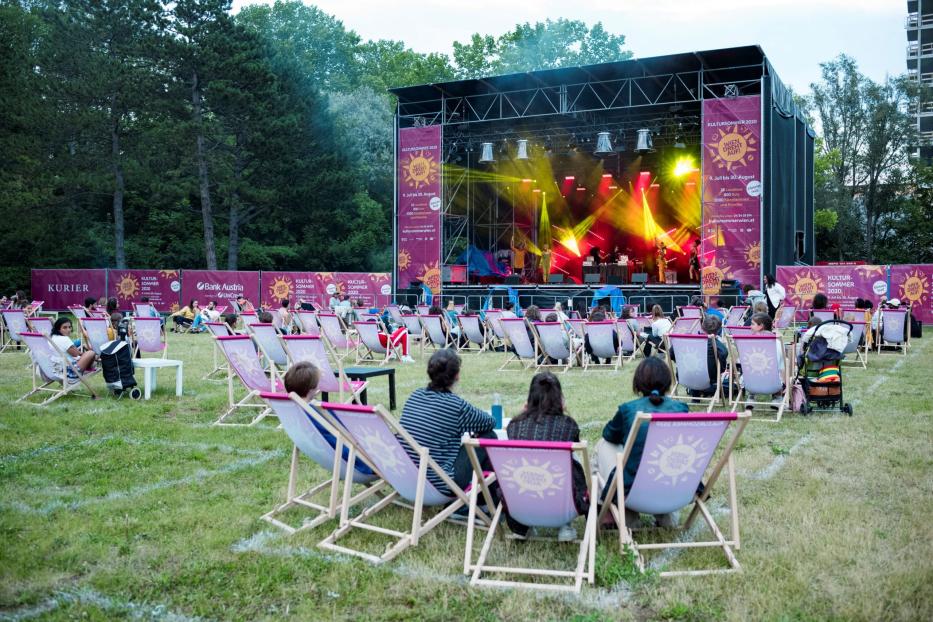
[[419, 170], [753, 254], [246, 363], [281, 287], [711, 277], [691, 361], [168, 274], [431, 276], [148, 334], [538, 478], [915, 288], [805, 286], [404, 259], [869, 271], [757, 361], [732, 147], [674, 461], [388, 456], [127, 286]]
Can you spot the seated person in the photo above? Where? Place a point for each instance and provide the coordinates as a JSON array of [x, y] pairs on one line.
[[719, 309], [543, 419], [820, 302], [599, 316], [508, 311], [652, 381], [188, 316], [437, 418], [758, 307], [62, 338], [344, 308], [660, 326], [90, 306], [284, 317], [715, 350], [532, 314], [230, 319], [210, 313], [762, 324], [244, 304], [399, 338]]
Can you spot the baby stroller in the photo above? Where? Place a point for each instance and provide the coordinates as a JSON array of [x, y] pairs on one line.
[[818, 368], [116, 360]]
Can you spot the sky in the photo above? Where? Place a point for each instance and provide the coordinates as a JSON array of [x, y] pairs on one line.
[[796, 35]]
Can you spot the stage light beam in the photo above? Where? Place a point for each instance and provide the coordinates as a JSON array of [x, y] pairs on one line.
[[684, 166]]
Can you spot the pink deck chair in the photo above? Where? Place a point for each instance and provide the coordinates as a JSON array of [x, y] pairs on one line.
[[41, 324], [306, 427], [689, 366], [678, 452], [415, 330], [395, 313], [95, 330], [332, 384], [853, 315], [685, 325], [381, 438], [77, 311], [691, 312], [824, 315], [266, 337], [149, 337], [600, 336], [733, 331], [892, 329], [371, 349], [577, 327], [333, 330], [470, 327], [535, 484], [243, 361], [735, 315], [764, 371], [524, 350], [143, 309], [217, 329], [784, 317], [644, 323], [556, 344], [492, 325], [628, 340], [422, 309], [51, 366], [249, 318], [434, 330], [15, 322], [853, 347], [307, 322]]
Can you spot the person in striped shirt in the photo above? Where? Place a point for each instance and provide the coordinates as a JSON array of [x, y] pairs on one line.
[[437, 418]]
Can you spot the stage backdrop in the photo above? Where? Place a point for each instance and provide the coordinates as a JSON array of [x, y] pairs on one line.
[[911, 283], [61, 288], [374, 288], [419, 206], [842, 284], [221, 286], [731, 229], [161, 286]]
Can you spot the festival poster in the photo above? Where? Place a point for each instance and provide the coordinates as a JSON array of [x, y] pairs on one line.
[[911, 284], [59, 289], [841, 284], [162, 287], [731, 229], [221, 286], [373, 288], [419, 206]]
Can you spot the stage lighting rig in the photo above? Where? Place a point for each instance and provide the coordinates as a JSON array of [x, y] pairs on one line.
[[522, 153], [644, 143], [603, 144], [486, 153]]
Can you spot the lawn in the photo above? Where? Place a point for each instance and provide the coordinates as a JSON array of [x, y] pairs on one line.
[[143, 510]]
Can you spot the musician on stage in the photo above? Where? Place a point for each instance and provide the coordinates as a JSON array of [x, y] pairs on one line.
[[596, 255], [695, 261], [661, 261]]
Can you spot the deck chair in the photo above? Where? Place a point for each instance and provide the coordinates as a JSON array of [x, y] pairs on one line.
[[434, 329], [893, 326], [143, 309], [762, 374], [824, 315], [523, 351], [266, 337], [243, 361], [15, 322], [556, 344], [685, 325], [690, 312], [784, 317], [494, 328], [371, 349], [51, 366], [383, 441], [577, 327], [217, 329], [470, 327], [334, 331], [395, 313], [334, 385], [307, 322], [148, 336], [77, 311], [735, 315], [41, 324], [689, 366], [678, 451], [856, 343], [422, 309], [734, 331], [95, 331], [628, 340], [249, 318], [415, 330], [311, 435], [535, 484]]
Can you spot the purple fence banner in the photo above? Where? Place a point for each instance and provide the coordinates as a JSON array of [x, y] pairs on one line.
[[419, 206], [373, 288], [841, 284], [161, 287], [731, 229], [221, 286], [911, 284], [60, 289]]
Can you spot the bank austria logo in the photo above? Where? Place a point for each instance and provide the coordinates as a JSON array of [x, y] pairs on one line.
[[200, 286]]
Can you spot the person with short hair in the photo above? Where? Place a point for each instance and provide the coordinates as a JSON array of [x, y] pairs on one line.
[[265, 317], [284, 316], [660, 326], [210, 313], [599, 316], [508, 310]]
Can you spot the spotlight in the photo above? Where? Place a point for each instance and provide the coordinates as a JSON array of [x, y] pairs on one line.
[[643, 143], [522, 150], [683, 166], [486, 153], [603, 144]]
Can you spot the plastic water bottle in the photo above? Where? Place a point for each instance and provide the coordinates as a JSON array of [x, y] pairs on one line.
[[497, 410]]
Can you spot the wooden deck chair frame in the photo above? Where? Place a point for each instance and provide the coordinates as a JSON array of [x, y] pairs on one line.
[[524, 363], [332, 486], [35, 321], [277, 368], [351, 394], [351, 345], [482, 344], [419, 528], [217, 329], [860, 351], [8, 340], [429, 336], [252, 395], [586, 557], [902, 346], [718, 396], [725, 462], [366, 355], [544, 357], [736, 391], [494, 329], [41, 382]]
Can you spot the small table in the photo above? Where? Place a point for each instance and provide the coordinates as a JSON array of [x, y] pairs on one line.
[[150, 366], [365, 373]]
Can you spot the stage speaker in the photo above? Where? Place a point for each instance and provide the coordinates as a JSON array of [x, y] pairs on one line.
[[513, 279], [592, 277], [614, 279], [555, 278], [640, 278]]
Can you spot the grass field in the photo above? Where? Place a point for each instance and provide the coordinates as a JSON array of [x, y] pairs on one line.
[[142, 510]]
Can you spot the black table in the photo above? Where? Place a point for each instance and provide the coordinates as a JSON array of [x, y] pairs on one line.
[[365, 373]]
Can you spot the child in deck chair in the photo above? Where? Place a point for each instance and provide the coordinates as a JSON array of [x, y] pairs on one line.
[[61, 337], [652, 380], [544, 419]]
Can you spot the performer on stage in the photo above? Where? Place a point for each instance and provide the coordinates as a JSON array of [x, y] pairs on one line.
[[661, 261], [615, 255], [595, 255], [695, 261], [545, 264], [518, 256]]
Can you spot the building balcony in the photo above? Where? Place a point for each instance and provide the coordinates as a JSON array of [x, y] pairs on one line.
[[915, 20]]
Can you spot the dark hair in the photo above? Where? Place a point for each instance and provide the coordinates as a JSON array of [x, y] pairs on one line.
[[533, 313], [551, 317], [657, 311], [240, 297], [711, 325], [868, 304], [719, 303], [597, 316], [265, 317], [820, 301], [111, 305], [626, 313], [652, 379], [285, 302], [760, 307], [191, 303], [769, 280], [697, 301], [509, 305], [859, 303], [443, 369], [545, 398], [230, 319], [57, 327], [747, 287], [764, 320], [115, 318], [88, 301], [435, 310], [302, 378]]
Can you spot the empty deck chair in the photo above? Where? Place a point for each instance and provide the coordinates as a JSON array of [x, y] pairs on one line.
[[784, 317], [524, 350], [685, 325], [691, 312], [894, 330], [332, 383], [333, 330], [41, 324], [266, 337], [824, 315], [243, 361], [735, 315], [217, 329], [15, 322]]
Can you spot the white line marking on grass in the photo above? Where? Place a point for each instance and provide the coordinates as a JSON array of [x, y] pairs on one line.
[[771, 470], [135, 611]]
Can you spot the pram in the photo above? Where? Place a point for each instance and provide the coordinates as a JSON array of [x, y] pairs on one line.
[[116, 360], [819, 371]]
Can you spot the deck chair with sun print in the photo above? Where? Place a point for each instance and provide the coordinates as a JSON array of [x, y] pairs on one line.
[[332, 383], [244, 363]]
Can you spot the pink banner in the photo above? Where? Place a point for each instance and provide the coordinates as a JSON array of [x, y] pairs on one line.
[[221, 286], [911, 284], [419, 206], [61, 288], [841, 284], [161, 287], [731, 230], [373, 288]]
